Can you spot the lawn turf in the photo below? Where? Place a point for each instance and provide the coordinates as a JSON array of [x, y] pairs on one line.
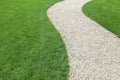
[[30, 47], [106, 13]]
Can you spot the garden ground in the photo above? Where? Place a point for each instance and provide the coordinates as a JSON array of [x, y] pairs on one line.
[[94, 52]]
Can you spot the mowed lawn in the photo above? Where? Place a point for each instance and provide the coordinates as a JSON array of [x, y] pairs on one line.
[[106, 13], [30, 46]]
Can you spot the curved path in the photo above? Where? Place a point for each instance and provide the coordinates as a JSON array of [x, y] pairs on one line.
[[94, 52]]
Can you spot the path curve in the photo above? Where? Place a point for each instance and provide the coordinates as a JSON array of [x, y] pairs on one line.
[[94, 52]]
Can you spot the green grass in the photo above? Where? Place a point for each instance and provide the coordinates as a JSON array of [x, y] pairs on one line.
[[106, 13], [30, 46]]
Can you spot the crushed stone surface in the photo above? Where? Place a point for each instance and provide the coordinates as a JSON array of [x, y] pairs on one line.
[[94, 52]]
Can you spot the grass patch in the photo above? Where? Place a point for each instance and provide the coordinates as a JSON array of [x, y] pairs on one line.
[[106, 13], [30, 47]]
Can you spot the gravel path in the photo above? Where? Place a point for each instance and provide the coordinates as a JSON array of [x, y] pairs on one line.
[[94, 52]]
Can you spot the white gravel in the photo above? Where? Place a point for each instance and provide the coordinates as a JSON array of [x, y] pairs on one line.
[[94, 52]]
